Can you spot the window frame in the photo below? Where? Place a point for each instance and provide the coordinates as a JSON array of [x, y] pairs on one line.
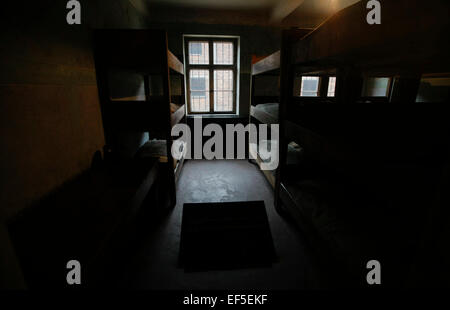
[[327, 93], [319, 84], [388, 87], [211, 67]]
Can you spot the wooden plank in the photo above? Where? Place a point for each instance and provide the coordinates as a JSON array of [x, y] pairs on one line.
[[178, 115], [174, 63], [353, 131], [267, 64], [178, 169], [294, 211], [168, 127], [409, 33], [264, 99], [262, 116], [141, 51], [283, 8], [267, 173], [286, 91], [143, 190], [405, 89]]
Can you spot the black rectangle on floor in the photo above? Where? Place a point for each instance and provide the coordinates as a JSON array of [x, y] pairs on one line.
[[220, 236]]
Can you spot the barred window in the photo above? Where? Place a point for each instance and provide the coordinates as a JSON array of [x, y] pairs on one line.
[[211, 67], [310, 86]]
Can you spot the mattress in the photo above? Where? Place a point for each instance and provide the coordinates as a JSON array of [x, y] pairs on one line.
[[270, 110], [174, 107], [347, 222], [294, 154], [156, 149]]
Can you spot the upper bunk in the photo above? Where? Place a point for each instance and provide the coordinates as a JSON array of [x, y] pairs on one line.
[[265, 108], [267, 65], [144, 50], [174, 63], [412, 37], [270, 64], [136, 72], [407, 52]]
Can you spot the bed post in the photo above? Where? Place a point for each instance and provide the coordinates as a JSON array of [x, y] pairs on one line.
[[286, 91], [166, 101]]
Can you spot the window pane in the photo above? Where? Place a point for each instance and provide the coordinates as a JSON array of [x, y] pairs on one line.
[[223, 90], [198, 53], [434, 90], [376, 87], [310, 86], [199, 90], [223, 53], [331, 86]]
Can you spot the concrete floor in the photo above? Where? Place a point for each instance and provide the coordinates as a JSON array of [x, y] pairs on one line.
[[154, 264]]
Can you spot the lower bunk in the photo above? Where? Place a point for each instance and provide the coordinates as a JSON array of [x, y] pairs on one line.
[[257, 153], [366, 195], [372, 211], [266, 113], [83, 220], [157, 149]]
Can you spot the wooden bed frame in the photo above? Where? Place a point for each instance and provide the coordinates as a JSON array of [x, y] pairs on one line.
[[347, 46], [84, 216], [269, 65], [262, 116], [144, 52], [409, 43]]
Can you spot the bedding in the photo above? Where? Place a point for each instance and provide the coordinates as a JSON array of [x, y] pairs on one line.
[[336, 220], [174, 107], [155, 148], [270, 110], [294, 154]]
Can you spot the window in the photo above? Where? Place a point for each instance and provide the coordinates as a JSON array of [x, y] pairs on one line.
[[211, 74], [310, 86], [331, 86], [199, 90], [376, 87], [434, 89], [198, 53]]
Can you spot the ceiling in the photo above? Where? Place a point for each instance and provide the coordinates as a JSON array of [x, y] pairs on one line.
[[317, 5], [300, 13], [220, 4]]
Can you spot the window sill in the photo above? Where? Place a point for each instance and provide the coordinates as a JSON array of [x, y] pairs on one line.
[[228, 116]]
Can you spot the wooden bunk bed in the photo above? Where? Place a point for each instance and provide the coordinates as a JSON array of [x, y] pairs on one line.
[[361, 157], [144, 53], [90, 217], [265, 109], [83, 220]]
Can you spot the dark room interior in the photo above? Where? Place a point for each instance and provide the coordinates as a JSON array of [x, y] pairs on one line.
[[129, 159]]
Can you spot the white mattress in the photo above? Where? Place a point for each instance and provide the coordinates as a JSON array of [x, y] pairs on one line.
[[269, 108], [155, 149]]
